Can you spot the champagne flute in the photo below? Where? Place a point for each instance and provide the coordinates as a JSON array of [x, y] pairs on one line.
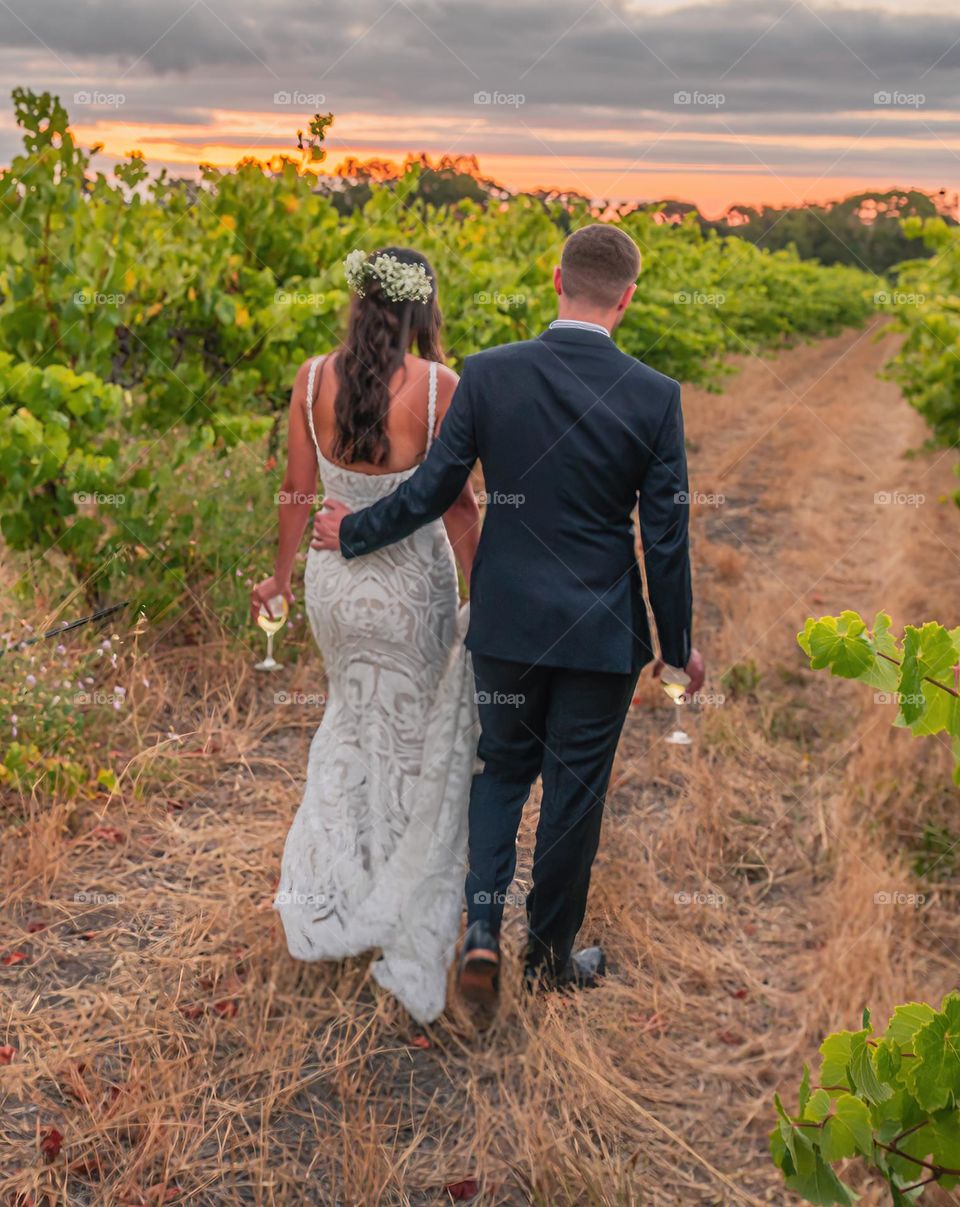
[[272, 624]]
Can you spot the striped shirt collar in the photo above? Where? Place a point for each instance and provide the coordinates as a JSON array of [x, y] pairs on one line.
[[566, 323]]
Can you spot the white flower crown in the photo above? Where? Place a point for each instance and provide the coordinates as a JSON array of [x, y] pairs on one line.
[[400, 282]]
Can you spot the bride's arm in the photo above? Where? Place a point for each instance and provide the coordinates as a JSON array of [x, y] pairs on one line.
[[462, 519], [298, 496]]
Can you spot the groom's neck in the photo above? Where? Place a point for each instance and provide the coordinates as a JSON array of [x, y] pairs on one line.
[[579, 313]]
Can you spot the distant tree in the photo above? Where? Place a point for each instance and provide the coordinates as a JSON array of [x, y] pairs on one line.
[[443, 183], [863, 229]]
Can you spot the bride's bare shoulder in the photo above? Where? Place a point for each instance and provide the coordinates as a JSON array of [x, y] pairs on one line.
[[311, 364]]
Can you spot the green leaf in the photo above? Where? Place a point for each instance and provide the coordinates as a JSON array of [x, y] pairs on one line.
[[839, 642], [928, 652], [933, 1077], [817, 1182], [836, 1051], [804, 1087], [863, 1072], [848, 1130], [818, 1106], [907, 1020]]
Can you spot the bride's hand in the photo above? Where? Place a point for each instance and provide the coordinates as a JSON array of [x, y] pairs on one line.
[[266, 590]]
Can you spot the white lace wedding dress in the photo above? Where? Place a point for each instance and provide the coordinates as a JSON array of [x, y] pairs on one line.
[[374, 859]]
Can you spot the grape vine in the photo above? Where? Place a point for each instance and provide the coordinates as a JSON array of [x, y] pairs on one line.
[[920, 670], [891, 1100]]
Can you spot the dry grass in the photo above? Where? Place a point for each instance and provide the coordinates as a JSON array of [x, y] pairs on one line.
[[162, 1029]]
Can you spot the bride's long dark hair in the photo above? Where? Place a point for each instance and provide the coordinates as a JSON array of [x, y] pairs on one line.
[[380, 332]]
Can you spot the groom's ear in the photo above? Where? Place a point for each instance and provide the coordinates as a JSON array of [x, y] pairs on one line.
[[558, 280], [627, 295]]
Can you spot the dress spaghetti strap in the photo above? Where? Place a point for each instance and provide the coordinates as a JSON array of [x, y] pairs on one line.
[[431, 406], [308, 402]]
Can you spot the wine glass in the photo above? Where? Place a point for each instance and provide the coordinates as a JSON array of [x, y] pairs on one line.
[[272, 624], [678, 694]]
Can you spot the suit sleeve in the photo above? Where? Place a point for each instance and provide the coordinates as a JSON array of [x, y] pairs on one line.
[[664, 530], [428, 493]]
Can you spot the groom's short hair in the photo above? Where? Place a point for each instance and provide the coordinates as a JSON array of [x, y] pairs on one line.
[[598, 263]]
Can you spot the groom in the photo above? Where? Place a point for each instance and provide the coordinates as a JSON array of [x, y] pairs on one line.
[[570, 432]]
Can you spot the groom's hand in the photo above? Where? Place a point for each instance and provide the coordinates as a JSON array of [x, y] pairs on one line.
[[696, 668], [326, 525]]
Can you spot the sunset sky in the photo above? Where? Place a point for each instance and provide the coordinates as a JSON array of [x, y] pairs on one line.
[[713, 103]]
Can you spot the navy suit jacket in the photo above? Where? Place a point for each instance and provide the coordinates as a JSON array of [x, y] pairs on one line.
[[570, 432]]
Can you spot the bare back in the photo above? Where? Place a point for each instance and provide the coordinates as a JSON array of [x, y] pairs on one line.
[[410, 422]]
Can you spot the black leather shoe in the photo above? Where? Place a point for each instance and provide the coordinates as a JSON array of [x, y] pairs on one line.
[[584, 970], [478, 978]]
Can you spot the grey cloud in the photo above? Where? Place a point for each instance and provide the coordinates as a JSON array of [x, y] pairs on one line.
[[783, 68]]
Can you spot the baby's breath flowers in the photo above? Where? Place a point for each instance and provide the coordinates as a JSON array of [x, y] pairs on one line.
[[400, 282]]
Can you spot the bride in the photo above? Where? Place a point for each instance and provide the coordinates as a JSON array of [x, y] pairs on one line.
[[374, 859]]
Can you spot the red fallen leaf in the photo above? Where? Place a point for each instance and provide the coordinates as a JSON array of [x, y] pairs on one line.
[[14, 957], [227, 1008], [740, 994], [108, 834], [419, 1041], [35, 927], [464, 1190], [50, 1144], [191, 1011], [729, 1037], [87, 935], [749, 928], [7, 1053]]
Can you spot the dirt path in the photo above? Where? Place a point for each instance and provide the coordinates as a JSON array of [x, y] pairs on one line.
[[185, 1058]]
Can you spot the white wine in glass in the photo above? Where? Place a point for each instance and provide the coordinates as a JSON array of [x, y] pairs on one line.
[[678, 694], [272, 624]]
